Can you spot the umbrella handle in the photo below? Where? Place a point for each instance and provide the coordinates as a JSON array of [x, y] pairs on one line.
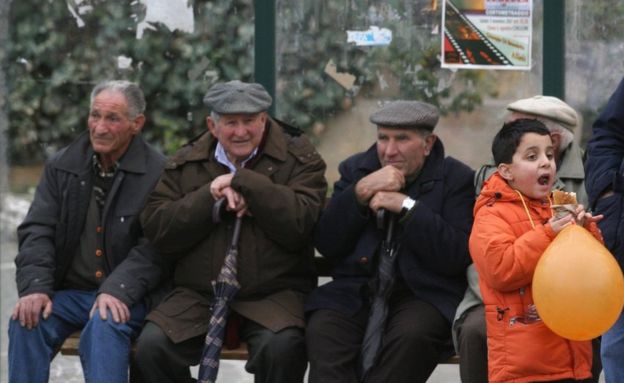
[[236, 233], [386, 220], [217, 208], [216, 218]]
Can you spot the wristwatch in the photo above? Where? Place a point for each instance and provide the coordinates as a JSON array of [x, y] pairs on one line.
[[407, 205]]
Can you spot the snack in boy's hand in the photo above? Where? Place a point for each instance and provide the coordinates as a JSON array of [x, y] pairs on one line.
[[561, 197], [564, 203]]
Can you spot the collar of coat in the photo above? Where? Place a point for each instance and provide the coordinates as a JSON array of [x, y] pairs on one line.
[[76, 158], [202, 147]]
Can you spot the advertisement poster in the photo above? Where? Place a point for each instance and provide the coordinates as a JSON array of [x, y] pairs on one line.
[[487, 34]]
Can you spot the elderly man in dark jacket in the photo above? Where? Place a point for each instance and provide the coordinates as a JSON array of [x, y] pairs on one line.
[[431, 196], [83, 262], [273, 178]]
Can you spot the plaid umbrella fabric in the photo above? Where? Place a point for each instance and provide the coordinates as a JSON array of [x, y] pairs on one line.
[[379, 307], [225, 288]]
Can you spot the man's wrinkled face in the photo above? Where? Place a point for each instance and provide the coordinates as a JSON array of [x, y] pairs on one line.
[[405, 149], [239, 134], [110, 128]]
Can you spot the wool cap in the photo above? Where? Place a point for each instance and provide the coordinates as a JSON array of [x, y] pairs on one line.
[[236, 97], [547, 107], [407, 114]]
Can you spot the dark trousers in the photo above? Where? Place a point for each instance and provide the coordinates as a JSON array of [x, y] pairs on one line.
[[415, 339], [472, 344], [273, 357]]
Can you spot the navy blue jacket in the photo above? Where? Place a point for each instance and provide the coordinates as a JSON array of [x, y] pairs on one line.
[[433, 240], [604, 172], [50, 233]]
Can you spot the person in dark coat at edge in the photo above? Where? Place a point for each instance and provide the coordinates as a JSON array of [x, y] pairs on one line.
[[273, 178], [83, 262], [406, 173], [604, 181]]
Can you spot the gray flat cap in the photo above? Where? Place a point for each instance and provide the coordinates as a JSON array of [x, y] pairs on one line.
[[548, 107], [406, 114], [236, 97]]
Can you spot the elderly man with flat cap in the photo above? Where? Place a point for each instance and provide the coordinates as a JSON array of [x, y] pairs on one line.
[[428, 197], [273, 179], [469, 332]]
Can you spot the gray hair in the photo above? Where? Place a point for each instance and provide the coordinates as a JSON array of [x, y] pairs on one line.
[[215, 116], [554, 127], [131, 91]]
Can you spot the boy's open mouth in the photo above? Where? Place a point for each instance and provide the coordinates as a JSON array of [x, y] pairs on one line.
[[543, 180]]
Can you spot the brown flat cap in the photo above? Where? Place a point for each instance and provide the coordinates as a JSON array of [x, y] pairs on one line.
[[407, 114], [547, 107], [236, 97]]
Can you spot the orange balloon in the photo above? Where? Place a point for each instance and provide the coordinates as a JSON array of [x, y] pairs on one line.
[[578, 287]]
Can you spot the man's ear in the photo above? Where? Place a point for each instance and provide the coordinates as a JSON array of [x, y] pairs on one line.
[[505, 171], [212, 126], [138, 123], [429, 141], [556, 140]]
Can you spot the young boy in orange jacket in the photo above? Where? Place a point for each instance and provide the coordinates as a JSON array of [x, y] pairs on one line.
[[513, 226]]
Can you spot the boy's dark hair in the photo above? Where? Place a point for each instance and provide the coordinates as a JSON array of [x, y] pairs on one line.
[[509, 136]]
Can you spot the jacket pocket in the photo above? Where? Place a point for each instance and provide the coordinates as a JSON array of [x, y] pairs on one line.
[[185, 303], [517, 349]]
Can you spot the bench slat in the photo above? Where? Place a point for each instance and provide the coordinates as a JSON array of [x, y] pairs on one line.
[[323, 269], [70, 347]]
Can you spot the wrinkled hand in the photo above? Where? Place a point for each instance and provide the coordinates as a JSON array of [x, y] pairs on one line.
[[222, 187], [29, 307], [388, 178], [119, 310], [220, 183], [391, 201]]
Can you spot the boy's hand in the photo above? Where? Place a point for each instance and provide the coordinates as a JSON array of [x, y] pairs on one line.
[[558, 224], [588, 218], [584, 218]]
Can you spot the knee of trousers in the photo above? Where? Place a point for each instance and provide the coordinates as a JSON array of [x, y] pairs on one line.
[[20, 334], [286, 344], [470, 332], [413, 339], [151, 342], [97, 326]]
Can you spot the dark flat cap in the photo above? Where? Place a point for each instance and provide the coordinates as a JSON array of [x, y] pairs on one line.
[[236, 97], [406, 114]]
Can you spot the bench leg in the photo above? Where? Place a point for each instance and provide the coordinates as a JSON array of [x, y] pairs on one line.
[[134, 374]]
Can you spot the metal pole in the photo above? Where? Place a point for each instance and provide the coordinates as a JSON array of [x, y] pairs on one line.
[[553, 75], [264, 49]]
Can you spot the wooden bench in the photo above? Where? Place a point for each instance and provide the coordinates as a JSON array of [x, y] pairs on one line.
[[323, 269]]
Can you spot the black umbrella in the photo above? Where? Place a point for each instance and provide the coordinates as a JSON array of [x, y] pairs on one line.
[[381, 293], [225, 288]]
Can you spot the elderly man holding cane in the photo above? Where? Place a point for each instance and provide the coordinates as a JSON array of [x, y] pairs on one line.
[[418, 268], [273, 181]]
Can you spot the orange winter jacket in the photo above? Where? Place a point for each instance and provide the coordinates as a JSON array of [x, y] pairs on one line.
[[505, 245]]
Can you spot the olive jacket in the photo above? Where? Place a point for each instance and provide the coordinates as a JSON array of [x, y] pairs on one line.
[[284, 187]]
